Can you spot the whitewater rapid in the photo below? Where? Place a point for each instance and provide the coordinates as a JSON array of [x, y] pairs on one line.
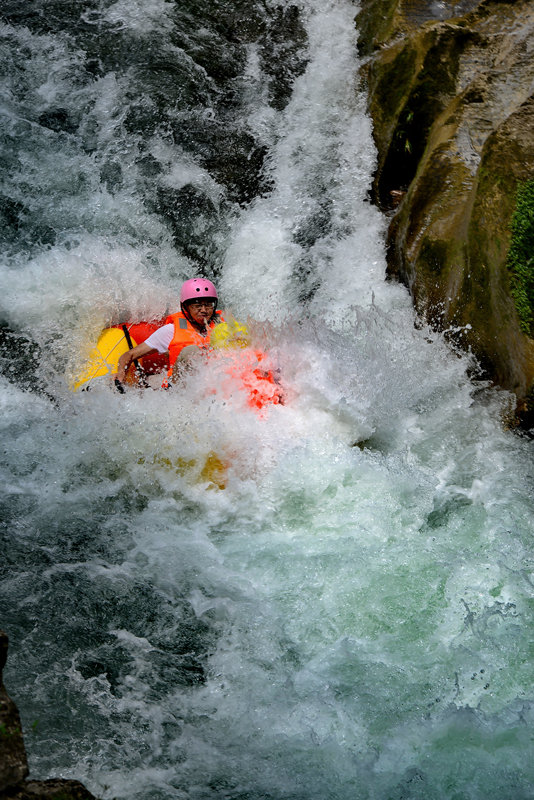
[[351, 616]]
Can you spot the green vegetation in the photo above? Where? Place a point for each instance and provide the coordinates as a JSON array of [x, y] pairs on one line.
[[520, 260]]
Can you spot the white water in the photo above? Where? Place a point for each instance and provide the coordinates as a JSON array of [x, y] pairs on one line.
[[350, 617]]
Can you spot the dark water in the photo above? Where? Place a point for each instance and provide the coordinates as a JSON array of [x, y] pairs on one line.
[[351, 616]]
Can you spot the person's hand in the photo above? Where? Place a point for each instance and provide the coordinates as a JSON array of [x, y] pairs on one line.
[[122, 368]]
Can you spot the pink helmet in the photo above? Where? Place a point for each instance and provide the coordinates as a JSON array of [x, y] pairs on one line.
[[197, 289]]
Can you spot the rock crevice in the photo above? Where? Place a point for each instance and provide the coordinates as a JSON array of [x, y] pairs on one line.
[[453, 110]]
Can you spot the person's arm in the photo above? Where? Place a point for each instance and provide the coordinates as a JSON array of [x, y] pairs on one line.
[[126, 359], [158, 341]]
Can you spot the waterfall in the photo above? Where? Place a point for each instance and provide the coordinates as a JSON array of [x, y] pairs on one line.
[[350, 616]]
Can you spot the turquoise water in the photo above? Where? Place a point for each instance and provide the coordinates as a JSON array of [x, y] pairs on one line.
[[351, 616]]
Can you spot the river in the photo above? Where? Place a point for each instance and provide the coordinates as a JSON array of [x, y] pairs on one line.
[[351, 616]]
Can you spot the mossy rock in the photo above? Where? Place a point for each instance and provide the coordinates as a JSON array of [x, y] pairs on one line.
[[389, 79], [456, 145], [409, 87], [376, 23], [431, 232], [505, 169], [456, 233]]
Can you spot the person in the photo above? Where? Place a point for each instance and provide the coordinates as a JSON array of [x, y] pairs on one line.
[[185, 333], [200, 328]]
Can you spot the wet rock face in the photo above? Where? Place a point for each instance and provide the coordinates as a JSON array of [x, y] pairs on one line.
[[13, 761], [54, 789], [452, 105]]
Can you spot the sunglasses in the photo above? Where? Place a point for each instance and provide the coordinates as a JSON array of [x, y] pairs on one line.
[[202, 304]]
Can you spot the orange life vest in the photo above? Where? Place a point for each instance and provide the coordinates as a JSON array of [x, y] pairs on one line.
[[186, 334]]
